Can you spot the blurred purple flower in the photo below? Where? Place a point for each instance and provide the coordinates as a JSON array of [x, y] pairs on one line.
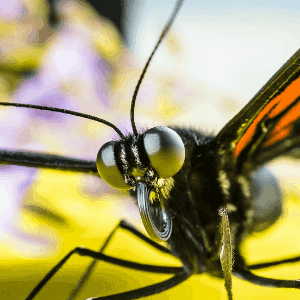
[[13, 10], [71, 76], [14, 182]]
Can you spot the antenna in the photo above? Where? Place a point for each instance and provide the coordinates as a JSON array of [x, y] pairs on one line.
[[162, 35], [67, 112]]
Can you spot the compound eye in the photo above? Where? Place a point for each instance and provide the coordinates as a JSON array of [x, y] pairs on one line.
[[165, 150], [108, 169]]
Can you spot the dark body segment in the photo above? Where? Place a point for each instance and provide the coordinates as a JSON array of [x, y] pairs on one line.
[[200, 190]]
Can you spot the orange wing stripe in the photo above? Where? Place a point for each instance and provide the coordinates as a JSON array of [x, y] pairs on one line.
[[278, 136], [284, 124], [282, 101]]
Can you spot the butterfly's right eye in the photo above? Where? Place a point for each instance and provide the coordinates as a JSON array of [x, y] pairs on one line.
[[108, 169]]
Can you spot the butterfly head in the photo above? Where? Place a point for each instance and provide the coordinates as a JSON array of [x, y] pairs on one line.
[[145, 163]]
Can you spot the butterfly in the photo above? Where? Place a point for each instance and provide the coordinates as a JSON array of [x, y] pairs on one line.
[[219, 168]]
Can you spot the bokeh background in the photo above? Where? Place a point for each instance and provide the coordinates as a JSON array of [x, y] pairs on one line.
[[80, 56]]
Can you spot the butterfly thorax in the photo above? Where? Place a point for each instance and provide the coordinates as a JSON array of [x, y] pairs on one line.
[[197, 196]]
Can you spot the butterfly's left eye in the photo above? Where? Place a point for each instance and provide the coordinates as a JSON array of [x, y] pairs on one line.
[[165, 150]]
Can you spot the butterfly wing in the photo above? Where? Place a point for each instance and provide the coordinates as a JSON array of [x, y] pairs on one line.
[[268, 126]]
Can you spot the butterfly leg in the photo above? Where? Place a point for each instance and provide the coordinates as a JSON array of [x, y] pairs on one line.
[[148, 290], [100, 256], [265, 281], [121, 225], [244, 273], [128, 227], [274, 263]]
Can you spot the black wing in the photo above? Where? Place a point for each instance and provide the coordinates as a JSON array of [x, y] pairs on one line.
[[268, 126]]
